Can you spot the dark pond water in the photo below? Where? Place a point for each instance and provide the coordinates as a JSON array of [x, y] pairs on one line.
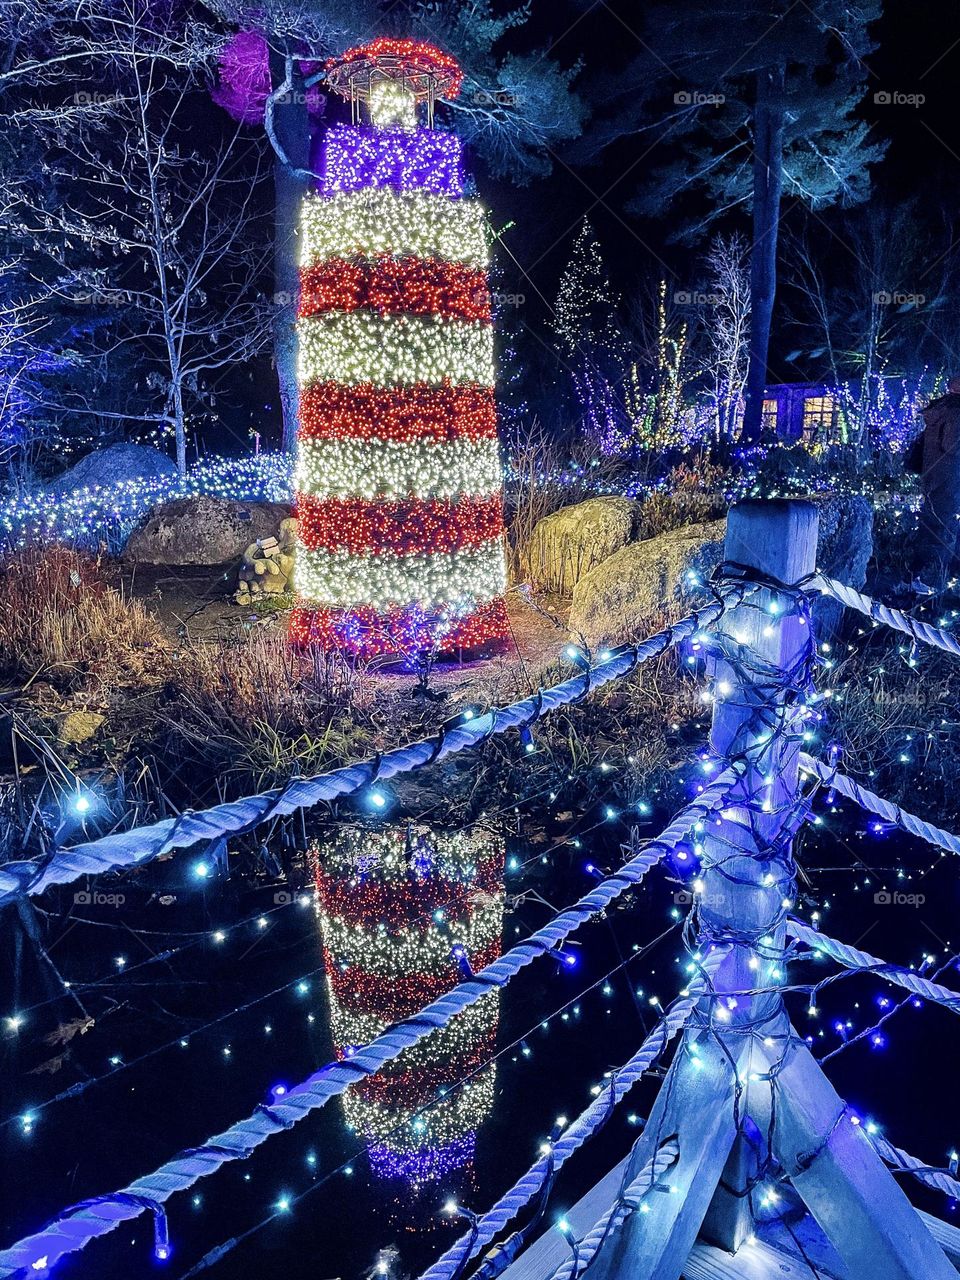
[[192, 1000]]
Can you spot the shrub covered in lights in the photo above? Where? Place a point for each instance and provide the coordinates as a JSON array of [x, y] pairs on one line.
[[86, 517], [403, 911], [399, 481]]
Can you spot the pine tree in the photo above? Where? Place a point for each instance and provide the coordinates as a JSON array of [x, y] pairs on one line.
[[755, 100]]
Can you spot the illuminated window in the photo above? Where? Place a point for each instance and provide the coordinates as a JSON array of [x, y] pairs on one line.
[[770, 415], [819, 418]]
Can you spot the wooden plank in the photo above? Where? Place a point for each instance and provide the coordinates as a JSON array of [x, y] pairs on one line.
[[695, 1105], [549, 1250], [755, 1260], [834, 1168]]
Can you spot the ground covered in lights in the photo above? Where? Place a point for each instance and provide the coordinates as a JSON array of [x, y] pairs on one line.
[[150, 1013]]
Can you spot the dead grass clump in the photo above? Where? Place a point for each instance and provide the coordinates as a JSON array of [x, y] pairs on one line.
[[252, 708], [62, 620], [694, 495]]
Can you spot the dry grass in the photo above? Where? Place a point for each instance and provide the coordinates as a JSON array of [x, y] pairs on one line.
[[60, 619], [252, 708], [545, 478], [694, 495]]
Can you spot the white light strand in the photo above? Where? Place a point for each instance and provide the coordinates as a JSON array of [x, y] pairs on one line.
[[387, 952], [394, 350], [392, 469], [461, 578], [402, 224]]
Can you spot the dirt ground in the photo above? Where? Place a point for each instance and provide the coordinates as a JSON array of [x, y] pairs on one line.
[[195, 604]]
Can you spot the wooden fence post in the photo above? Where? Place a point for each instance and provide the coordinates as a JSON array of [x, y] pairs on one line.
[[755, 719], [742, 1081]]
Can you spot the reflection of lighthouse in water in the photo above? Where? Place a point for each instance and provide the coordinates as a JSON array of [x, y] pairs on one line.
[[397, 906]]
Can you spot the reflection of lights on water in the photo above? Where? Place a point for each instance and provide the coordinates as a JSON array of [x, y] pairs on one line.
[[402, 911]]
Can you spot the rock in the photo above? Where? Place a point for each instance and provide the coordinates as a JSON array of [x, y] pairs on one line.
[[202, 530], [79, 726], [845, 549], [627, 594], [568, 544], [114, 465]]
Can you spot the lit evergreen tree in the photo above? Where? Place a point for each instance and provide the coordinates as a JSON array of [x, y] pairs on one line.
[[589, 341]]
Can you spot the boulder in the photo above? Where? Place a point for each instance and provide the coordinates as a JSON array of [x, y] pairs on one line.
[[115, 465], [568, 544], [844, 551], [628, 593], [202, 530]]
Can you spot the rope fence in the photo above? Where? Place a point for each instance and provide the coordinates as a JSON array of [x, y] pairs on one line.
[[79, 1224], [853, 958], [873, 803], [940, 1179], [921, 632], [134, 848]]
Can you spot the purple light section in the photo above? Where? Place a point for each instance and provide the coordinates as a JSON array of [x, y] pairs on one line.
[[356, 158], [427, 1165]]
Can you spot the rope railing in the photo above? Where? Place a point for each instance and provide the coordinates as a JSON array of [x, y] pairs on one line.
[[853, 958], [873, 803], [921, 632], [134, 848], [77, 1226], [585, 1250], [940, 1179], [487, 1227]]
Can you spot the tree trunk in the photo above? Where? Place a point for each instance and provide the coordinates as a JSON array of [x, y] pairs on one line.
[[767, 188], [179, 428], [293, 133]]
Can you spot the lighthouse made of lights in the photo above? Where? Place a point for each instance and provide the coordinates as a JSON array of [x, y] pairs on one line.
[[399, 480]]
